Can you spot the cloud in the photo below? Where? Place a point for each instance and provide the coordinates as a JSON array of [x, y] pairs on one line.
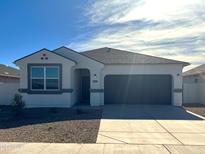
[[118, 11], [172, 29]]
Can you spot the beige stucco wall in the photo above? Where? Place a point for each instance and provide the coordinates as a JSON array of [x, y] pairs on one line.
[[93, 66], [47, 100], [169, 69], [97, 73], [194, 89], [7, 92]]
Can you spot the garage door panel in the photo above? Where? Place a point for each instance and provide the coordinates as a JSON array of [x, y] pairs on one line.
[[137, 89]]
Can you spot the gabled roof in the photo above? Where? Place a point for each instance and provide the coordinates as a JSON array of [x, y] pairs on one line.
[[115, 56], [8, 71], [44, 49], [197, 70], [68, 49]]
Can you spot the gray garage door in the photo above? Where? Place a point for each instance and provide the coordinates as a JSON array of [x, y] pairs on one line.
[[137, 89]]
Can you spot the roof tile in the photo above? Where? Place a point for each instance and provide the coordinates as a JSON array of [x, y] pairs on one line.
[[197, 70], [8, 71], [116, 56]]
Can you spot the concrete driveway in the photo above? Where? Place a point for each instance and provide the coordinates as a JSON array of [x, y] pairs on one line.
[[144, 124], [132, 129], [59, 148]]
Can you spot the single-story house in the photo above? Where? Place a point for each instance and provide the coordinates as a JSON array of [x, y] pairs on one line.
[[194, 85], [9, 84], [64, 77]]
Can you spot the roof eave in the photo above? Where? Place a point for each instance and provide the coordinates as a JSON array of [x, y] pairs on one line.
[[13, 76], [40, 51], [186, 64], [183, 63], [30, 55], [80, 53]]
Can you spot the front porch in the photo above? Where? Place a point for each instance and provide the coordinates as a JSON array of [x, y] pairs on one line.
[[82, 86]]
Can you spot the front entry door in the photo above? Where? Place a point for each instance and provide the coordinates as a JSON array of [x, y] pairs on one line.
[[86, 89]]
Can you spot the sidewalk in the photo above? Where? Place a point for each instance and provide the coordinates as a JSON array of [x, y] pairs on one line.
[[55, 148]]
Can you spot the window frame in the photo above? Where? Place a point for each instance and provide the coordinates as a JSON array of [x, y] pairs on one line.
[[31, 78], [45, 66], [45, 78]]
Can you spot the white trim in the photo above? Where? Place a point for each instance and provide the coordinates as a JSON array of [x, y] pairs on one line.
[[196, 114], [12, 76]]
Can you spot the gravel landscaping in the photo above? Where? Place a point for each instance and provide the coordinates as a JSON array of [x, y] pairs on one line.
[[49, 125], [57, 125], [196, 108]]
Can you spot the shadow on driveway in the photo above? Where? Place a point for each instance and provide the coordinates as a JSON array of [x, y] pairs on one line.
[[149, 112], [9, 119]]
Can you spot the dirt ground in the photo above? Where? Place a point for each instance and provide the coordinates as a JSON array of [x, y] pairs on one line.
[[49, 125], [196, 108]]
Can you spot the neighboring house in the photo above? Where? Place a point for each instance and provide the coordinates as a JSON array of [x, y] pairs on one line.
[[9, 84], [194, 85], [63, 77]]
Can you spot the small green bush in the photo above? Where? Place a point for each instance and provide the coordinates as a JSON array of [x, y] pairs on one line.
[[18, 102], [50, 128]]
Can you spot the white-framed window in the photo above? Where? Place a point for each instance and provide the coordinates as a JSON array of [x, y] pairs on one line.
[[45, 78]]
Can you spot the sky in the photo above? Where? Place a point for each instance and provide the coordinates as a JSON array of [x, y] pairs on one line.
[[172, 29]]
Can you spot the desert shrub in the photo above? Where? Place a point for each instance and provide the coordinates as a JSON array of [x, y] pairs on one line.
[[18, 103]]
